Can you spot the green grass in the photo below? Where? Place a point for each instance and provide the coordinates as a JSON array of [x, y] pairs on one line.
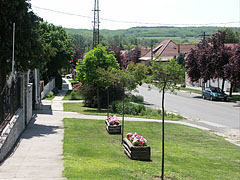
[[68, 96], [190, 154], [49, 98], [73, 81], [79, 108], [234, 98], [191, 90]]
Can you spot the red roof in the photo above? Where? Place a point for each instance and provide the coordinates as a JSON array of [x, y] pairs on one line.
[[166, 50]]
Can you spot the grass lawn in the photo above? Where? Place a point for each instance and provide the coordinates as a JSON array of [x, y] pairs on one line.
[[49, 98], [191, 90], [233, 98], [78, 107], [69, 96], [191, 154]]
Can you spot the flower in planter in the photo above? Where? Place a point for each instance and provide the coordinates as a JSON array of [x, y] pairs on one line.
[[113, 120], [136, 139]]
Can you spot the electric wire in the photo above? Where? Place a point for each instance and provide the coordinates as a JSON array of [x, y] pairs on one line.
[[135, 22]]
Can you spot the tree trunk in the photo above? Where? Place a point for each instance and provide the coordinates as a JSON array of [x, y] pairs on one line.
[[223, 83], [107, 102], [2, 83], [98, 99], [123, 107], [231, 89], [163, 114]]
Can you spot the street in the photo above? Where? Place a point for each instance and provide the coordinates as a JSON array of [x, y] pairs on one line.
[[216, 114]]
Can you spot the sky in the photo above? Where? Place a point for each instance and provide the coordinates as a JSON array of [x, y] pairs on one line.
[[123, 14]]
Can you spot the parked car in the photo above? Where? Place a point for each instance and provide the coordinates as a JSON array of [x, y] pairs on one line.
[[214, 93], [68, 76]]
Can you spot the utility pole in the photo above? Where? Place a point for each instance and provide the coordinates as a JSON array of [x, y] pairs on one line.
[[96, 24], [204, 36], [151, 50]]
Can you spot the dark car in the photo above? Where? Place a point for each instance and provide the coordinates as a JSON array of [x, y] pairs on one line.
[[214, 93]]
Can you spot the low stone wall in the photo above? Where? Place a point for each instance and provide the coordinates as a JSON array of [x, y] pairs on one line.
[[11, 133], [49, 87], [29, 112]]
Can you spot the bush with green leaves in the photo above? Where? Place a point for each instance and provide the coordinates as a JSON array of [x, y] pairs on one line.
[[89, 94], [129, 108], [136, 99], [76, 95]]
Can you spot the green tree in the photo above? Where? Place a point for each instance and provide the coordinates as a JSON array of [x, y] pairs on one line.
[[29, 51], [165, 76], [129, 79], [60, 43], [231, 36], [88, 67]]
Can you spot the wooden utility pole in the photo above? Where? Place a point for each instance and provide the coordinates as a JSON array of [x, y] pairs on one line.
[[204, 36], [151, 50], [96, 23]]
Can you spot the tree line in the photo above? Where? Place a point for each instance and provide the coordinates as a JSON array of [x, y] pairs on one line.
[[213, 58]]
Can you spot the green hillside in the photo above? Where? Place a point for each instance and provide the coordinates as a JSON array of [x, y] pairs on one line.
[[143, 35]]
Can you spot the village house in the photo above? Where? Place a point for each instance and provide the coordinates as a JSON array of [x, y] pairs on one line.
[[167, 50]]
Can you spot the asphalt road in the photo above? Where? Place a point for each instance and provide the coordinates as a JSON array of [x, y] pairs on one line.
[[213, 113]]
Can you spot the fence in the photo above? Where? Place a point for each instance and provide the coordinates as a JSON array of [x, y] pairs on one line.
[[10, 97], [49, 87]]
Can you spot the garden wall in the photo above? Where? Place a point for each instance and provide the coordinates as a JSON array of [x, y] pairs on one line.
[[49, 87]]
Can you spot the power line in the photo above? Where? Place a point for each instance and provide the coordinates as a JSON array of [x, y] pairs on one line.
[[135, 22]]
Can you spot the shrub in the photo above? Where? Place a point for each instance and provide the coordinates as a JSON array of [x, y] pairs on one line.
[[136, 99], [133, 109], [55, 91], [76, 95], [49, 95], [89, 94]]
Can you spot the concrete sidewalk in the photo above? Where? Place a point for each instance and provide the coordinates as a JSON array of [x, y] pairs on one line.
[[39, 152]]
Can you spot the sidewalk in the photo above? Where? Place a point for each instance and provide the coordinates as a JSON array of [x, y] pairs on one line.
[[38, 154]]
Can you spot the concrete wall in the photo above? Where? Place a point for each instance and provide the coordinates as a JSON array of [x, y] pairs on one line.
[[49, 87], [19, 121], [29, 103], [11, 133]]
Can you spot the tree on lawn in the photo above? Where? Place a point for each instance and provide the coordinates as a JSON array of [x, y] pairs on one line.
[[220, 55], [232, 69], [58, 40], [29, 48], [106, 79], [207, 60], [165, 76], [129, 79], [87, 68]]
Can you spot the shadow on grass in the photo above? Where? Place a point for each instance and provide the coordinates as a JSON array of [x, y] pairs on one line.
[[95, 111]]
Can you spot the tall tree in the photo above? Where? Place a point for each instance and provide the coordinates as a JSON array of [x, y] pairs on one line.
[[220, 55], [231, 36], [232, 69], [207, 60], [29, 51], [165, 76], [94, 59], [58, 40]]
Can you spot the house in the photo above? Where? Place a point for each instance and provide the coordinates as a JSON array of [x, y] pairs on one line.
[[166, 50]]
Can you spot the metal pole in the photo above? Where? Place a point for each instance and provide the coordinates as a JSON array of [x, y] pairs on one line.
[[13, 62]]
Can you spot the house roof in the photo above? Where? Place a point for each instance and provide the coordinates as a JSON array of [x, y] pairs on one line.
[[166, 50]]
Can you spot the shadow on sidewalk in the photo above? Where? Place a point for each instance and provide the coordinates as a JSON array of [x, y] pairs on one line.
[[45, 109], [38, 130]]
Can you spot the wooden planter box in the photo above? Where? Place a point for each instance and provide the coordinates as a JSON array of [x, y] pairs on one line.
[[113, 129], [136, 152]]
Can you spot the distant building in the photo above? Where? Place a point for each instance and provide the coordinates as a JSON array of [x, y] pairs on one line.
[[165, 50]]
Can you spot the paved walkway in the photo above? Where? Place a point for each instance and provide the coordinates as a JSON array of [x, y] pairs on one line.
[[38, 154]]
